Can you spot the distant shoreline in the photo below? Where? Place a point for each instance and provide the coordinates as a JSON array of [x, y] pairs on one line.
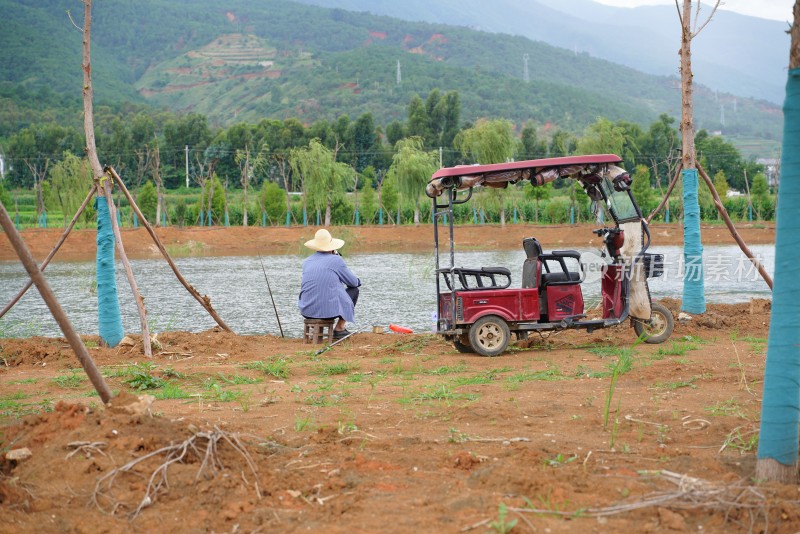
[[239, 241]]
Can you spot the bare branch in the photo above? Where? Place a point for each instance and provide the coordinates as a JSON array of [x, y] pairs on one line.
[[710, 15], [678, 9], [69, 14]]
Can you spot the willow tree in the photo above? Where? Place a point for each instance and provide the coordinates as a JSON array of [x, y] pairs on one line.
[[780, 407], [489, 141], [694, 299], [70, 178], [321, 176], [412, 167]]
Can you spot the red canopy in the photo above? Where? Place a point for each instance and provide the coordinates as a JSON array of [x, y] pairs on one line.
[[538, 171]]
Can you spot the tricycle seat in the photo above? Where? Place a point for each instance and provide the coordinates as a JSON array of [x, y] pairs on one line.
[[553, 279], [474, 279]]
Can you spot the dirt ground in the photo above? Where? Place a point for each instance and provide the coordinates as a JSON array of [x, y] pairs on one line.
[[387, 432], [235, 241]]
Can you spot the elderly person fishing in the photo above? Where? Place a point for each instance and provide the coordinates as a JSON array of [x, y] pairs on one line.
[[329, 290]]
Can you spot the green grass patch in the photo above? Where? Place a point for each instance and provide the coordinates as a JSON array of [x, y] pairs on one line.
[[216, 392], [335, 369], [481, 378], [141, 379], [440, 392], [238, 379], [605, 352], [676, 349], [24, 381], [729, 408], [170, 390], [744, 442], [551, 373], [128, 371], [678, 384], [413, 343], [11, 405], [447, 369], [279, 367], [322, 400], [73, 380]]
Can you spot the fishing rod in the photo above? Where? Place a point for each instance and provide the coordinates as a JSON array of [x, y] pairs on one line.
[[270, 296], [328, 347]]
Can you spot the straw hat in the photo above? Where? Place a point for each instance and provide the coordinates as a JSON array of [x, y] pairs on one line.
[[324, 242]]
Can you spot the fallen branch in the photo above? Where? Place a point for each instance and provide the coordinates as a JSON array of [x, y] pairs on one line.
[[691, 493], [203, 445]]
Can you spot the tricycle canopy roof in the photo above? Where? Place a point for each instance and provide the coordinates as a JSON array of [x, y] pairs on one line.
[[538, 171]]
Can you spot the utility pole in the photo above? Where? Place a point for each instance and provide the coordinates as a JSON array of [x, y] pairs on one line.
[[187, 166], [399, 76], [526, 76]]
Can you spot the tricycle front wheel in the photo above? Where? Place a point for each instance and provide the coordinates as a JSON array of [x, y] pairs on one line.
[[658, 328], [489, 336]]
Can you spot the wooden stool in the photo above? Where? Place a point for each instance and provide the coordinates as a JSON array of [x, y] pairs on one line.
[[317, 330]]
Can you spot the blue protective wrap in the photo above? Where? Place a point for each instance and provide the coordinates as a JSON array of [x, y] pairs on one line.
[[694, 296], [780, 409], [109, 320]]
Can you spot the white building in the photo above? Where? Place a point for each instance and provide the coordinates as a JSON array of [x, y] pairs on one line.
[[772, 170]]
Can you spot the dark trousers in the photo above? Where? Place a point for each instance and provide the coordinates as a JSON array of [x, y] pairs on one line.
[[353, 292]]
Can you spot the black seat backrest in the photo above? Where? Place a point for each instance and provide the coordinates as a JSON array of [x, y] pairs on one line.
[[530, 269], [532, 247]]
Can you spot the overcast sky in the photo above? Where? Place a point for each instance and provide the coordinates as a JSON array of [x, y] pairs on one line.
[[768, 9]]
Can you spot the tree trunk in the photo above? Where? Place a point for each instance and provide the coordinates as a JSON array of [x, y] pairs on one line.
[[693, 300], [103, 185], [780, 407]]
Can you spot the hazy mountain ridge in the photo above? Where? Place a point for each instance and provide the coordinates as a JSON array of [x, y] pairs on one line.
[[746, 56]]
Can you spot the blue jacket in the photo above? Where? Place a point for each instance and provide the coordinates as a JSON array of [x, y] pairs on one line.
[[322, 290]]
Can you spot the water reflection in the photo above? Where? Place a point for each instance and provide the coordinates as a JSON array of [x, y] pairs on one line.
[[396, 288]]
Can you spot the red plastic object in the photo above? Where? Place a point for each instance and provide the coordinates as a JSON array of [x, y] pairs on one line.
[[400, 329]]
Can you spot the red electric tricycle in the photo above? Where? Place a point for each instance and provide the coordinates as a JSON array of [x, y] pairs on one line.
[[477, 307]]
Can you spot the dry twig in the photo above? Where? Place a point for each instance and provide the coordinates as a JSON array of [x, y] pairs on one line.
[[87, 448], [691, 493], [202, 445]]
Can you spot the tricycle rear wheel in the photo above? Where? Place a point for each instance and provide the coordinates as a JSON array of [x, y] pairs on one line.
[[658, 328], [489, 336]]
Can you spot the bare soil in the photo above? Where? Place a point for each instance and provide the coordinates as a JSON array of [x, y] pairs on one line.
[[234, 241], [394, 433]]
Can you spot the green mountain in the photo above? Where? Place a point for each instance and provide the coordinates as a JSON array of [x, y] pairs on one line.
[[245, 60]]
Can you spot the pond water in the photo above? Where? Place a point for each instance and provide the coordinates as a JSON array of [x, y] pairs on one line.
[[396, 288]]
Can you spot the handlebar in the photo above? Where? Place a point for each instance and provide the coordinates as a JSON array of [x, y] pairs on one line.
[[600, 232]]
